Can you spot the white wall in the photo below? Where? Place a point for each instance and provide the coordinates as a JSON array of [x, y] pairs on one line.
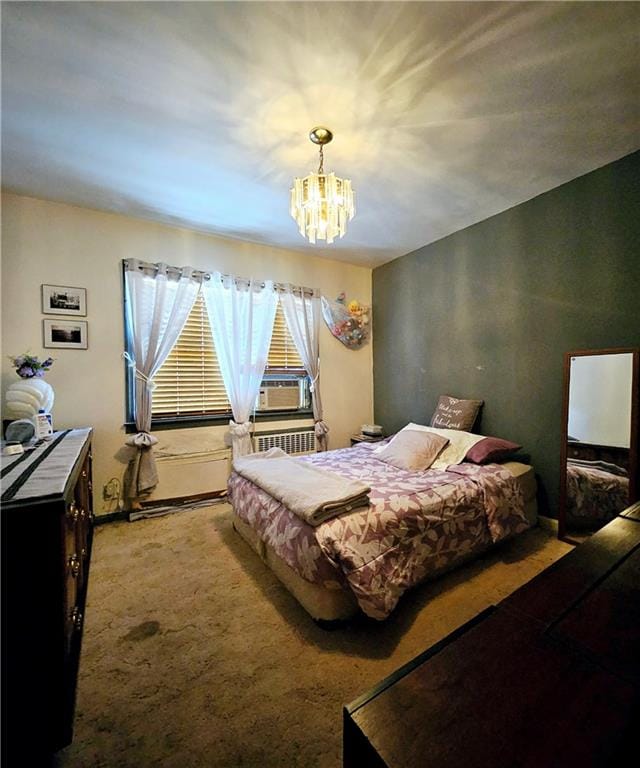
[[46, 242], [600, 399]]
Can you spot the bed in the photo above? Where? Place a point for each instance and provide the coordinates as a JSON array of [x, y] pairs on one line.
[[597, 491], [418, 525]]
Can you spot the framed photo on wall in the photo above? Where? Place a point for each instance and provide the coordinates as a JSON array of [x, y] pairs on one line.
[[65, 334], [64, 300]]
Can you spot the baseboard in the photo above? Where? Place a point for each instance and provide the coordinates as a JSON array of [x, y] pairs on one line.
[[548, 523], [178, 500], [159, 509], [148, 506], [111, 517]]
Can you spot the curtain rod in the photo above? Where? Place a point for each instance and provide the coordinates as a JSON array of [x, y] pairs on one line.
[[198, 273]]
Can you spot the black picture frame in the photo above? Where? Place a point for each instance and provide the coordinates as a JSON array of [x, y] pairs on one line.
[[64, 300], [65, 334]]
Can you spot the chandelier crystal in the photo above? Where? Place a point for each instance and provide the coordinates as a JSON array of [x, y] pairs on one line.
[[322, 203]]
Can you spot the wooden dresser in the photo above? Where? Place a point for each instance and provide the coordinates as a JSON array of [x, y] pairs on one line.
[[47, 517], [548, 678], [593, 452]]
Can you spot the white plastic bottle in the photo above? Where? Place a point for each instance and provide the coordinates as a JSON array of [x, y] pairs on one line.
[[44, 424]]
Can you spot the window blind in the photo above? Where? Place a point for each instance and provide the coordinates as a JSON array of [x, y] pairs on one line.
[[282, 352], [189, 383]]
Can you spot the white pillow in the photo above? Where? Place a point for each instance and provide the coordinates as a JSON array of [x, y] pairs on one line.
[[454, 453], [413, 449]]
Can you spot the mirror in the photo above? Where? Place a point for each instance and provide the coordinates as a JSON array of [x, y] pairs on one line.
[[599, 450]]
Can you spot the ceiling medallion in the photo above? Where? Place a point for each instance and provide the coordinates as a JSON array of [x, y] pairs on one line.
[[322, 203]]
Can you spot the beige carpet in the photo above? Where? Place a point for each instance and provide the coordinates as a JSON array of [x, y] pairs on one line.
[[194, 655]]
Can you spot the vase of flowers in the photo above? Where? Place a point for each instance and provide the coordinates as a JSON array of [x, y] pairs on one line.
[[32, 393], [29, 366]]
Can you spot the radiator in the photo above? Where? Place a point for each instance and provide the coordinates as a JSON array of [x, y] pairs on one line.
[[190, 475], [303, 441]]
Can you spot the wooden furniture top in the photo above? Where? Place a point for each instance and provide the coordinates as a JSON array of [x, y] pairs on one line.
[[632, 512], [46, 471], [550, 677], [360, 438]]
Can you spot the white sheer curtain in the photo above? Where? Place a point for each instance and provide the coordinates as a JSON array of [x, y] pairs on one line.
[[158, 302], [241, 314], [303, 314]]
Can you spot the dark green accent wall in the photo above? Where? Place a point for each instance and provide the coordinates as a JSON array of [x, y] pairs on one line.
[[489, 311]]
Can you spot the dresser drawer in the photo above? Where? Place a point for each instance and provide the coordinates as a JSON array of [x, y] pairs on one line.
[[46, 552], [71, 568]]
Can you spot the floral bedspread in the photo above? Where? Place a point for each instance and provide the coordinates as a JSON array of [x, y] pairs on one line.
[[593, 494], [417, 523]]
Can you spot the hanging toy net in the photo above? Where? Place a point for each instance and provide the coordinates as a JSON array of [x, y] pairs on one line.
[[348, 322]]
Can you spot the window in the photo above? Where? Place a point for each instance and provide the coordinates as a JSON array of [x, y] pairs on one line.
[[283, 355], [189, 383]]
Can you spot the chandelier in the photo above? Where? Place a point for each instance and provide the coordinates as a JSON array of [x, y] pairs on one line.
[[322, 203]]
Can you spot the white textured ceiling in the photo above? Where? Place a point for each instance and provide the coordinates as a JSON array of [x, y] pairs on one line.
[[197, 114]]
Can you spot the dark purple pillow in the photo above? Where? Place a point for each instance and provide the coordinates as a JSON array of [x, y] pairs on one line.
[[491, 449]]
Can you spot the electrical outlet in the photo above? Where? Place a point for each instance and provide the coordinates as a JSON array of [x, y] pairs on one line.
[[111, 490]]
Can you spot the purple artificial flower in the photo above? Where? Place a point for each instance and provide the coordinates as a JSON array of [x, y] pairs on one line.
[[28, 366]]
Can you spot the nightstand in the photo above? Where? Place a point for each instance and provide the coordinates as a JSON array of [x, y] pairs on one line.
[[355, 439]]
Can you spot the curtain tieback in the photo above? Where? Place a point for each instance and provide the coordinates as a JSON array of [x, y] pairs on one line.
[[142, 440], [312, 384], [139, 375], [320, 428], [240, 430]]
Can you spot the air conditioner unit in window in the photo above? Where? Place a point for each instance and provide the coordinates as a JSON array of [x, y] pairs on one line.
[[281, 394]]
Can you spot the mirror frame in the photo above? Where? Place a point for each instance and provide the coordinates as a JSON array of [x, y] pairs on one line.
[[633, 442]]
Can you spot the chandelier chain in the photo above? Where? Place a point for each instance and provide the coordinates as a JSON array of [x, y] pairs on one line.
[[321, 166]]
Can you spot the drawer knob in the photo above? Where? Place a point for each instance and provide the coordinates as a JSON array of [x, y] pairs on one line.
[[74, 565], [72, 513], [76, 618]]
